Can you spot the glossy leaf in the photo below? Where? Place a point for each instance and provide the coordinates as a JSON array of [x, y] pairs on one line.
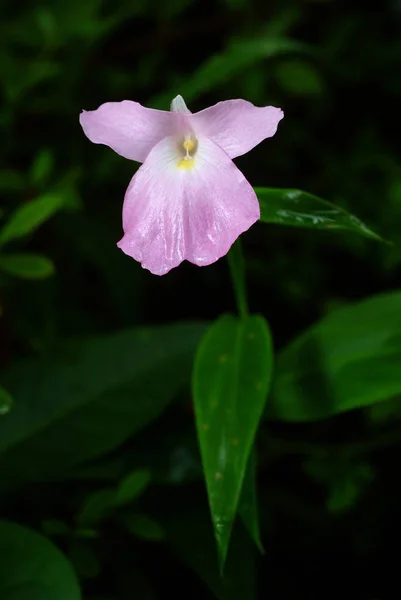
[[29, 217], [90, 396], [191, 536], [300, 209], [32, 568], [349, 360], [26, 266], [230, 384], [132, 486]]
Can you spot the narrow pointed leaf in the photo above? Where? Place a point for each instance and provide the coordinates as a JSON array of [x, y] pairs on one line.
[[27, 266], [29, 216], [96, 507], [300, 209], [41, 168], [248, 507], [190, 535], [132, 486], [225, 66], [231, 379]]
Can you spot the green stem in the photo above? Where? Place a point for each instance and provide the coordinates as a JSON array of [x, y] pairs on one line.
[[237, 271]]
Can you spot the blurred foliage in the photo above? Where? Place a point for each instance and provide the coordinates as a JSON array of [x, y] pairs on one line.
[[86, 412]]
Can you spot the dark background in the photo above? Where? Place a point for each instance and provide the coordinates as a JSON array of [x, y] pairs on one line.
[[340, 92]]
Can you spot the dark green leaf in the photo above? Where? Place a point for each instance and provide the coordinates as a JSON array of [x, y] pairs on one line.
[[29, 216], [223, 67], [349, 360], [41, 168], [90, 397], [230, 383], [143, 527], [132, 486], [299, 77], [26, 266], [191, 536], [84, 559], [96, 507], [11, 181], [32, 568], [54, 527], [248, 507], [6, 402], [345, 480], [300, 209]]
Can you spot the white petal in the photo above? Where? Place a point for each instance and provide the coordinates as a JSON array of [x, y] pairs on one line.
[[178, 105]]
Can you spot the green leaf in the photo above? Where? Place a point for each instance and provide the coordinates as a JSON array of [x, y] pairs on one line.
[[349, 360], [143, 527], [223, 67], [89, 397], [6, 402], [55, 527], [84, 559], [32, 568], [41, 168], [191, 536], [230, 383], [27, 266], [345, 480], [299, 77], [132, 486], [96, 507], [300, 209], [247, 507], [11, 181], [29, 217]]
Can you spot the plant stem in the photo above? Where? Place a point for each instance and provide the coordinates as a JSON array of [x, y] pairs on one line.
[[237, 271]]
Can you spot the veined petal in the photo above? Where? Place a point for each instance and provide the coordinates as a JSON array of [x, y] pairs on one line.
[[172, 213], [128, 128], [237, 126]]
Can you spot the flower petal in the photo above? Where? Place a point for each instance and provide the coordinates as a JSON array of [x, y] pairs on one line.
[[173, 214], [178, 105], [237, 126], [128, 128]]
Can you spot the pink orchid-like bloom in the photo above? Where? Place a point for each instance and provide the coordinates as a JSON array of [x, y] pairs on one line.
[[188, 200]]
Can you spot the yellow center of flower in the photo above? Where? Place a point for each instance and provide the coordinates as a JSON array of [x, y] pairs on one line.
[[188, 148]]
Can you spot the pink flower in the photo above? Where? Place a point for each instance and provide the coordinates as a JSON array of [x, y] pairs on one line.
[[188, 201]]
